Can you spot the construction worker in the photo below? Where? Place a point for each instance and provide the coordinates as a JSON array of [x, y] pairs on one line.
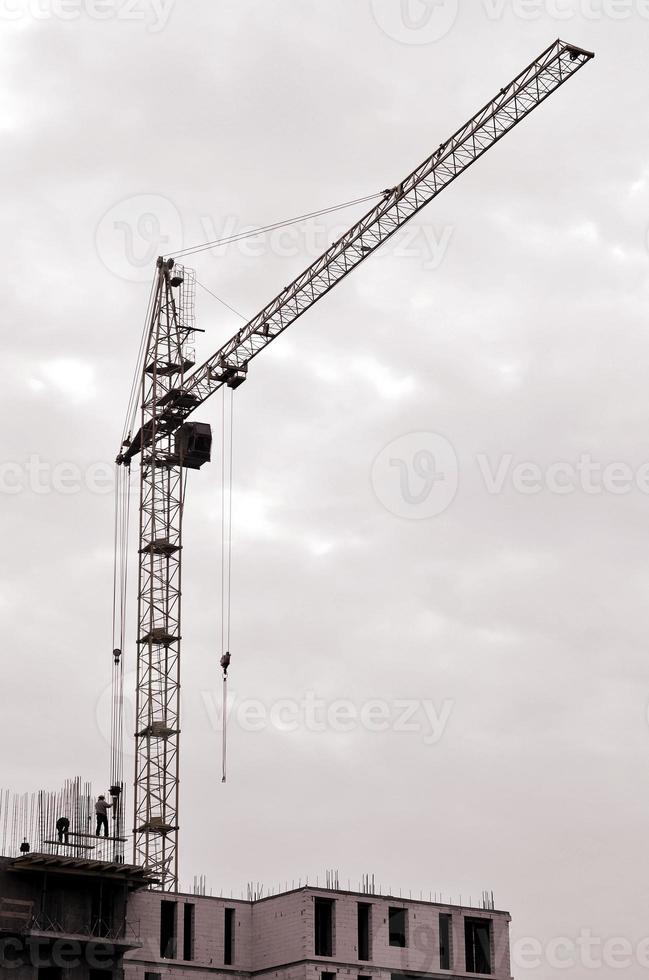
[[62, 828], [101, 809]]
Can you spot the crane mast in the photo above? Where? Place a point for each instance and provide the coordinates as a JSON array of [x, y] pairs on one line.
[[168, 355], [169, 444]]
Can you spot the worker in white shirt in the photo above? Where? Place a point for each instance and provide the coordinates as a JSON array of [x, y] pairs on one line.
[[101, 809]]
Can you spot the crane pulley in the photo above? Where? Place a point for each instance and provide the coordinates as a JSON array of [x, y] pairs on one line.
[[172, 388]]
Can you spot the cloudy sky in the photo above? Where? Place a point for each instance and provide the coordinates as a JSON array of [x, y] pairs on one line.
[[485, 633]]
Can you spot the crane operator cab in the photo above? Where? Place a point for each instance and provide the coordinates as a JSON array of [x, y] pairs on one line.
[[193, 444]]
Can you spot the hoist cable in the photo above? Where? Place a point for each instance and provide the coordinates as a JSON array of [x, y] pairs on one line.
[[115, 549], [118, 621], [230, 517], [224, 751], [131, 409], [120, 595], [226, 561], [127, 521], [223, 523], [126, 508]]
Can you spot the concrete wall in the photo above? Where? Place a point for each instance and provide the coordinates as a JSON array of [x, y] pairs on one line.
[[63, 939]]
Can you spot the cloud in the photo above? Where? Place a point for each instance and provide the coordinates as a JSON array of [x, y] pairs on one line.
[[74, 379]]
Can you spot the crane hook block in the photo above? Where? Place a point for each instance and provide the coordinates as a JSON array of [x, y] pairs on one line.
[[225, 662], [117, 654]]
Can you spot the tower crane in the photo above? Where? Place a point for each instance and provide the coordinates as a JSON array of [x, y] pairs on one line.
[[169, 444]]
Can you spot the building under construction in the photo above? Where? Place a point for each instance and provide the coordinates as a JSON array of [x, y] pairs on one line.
[[74, 904], [72, 908], [74, 917]]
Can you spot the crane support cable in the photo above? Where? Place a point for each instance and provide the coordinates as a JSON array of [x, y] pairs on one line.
[[274, 226], [221, 301], [399, 204]]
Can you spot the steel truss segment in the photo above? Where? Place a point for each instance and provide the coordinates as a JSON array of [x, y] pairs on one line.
[[513, 103]]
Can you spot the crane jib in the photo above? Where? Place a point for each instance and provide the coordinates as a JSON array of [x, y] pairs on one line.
[[399, 204]]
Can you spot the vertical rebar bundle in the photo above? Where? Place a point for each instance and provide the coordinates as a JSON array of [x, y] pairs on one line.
[[31, 822]]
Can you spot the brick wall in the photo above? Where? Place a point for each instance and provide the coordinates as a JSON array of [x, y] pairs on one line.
[[274, 938], [209, 934], [282, 929]]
